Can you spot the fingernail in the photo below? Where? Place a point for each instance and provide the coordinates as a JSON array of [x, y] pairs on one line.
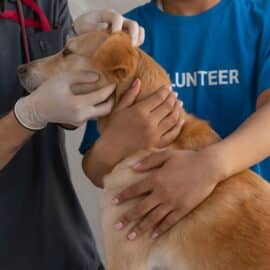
[[182, 122], [170, 88], [176, 94], [181, 103], [137, 166], [154, 235], [119, 226], [135, 83], [132, 236], [115, 201]]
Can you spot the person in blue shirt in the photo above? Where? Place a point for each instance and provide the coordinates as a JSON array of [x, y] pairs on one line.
[[217, 53]]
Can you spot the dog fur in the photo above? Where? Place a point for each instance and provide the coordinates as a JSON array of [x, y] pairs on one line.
[[229, 230]]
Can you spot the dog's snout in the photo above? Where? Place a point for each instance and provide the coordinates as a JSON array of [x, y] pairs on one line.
[[22, 69]]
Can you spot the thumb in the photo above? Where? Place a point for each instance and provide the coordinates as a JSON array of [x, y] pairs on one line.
[[129, 98], [152, 162]]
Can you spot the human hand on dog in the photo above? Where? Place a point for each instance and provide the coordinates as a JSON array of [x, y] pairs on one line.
[[153, 122], [178, 183], [103, 19], [55, 102]]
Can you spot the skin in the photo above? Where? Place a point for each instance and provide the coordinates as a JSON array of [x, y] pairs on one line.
[[169, 201], [14, 137], [153, 122]]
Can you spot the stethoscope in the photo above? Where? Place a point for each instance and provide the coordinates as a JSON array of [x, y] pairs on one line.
[[17, 16]]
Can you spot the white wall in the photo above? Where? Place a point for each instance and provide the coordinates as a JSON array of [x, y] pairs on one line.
[[88, 195]]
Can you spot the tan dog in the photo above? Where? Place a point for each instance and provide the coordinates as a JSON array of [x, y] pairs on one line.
[[229, 231]]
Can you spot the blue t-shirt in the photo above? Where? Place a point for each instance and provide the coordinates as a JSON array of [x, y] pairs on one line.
[[218, 61]]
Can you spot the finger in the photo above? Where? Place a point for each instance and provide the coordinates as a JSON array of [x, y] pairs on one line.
[[171, 220], [150, 221], [103, 109], [133, 30], [170, 121], [141, 38], [116, 20], [137, 212], [170, 136], [92, 112], [164, 109], [152, 162], [80, 77], [96, 97], [152, 102], [129, 98], [134, 191], [102, 26]]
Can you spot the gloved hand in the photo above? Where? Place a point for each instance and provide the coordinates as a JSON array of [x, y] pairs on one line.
[[55, 102], [102, 19]]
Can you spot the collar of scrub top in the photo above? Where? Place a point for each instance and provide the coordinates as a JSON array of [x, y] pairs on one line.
[[17, 16]]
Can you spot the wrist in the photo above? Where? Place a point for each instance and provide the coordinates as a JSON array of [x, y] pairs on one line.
[[109, 150], [217, 164], [27, 115]]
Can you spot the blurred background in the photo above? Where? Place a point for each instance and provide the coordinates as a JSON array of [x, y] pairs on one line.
[[89, 195]]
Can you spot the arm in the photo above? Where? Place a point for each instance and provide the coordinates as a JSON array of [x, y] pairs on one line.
[[12, 138], [153, 121], [45, 105], [250, 141], [203, 169]]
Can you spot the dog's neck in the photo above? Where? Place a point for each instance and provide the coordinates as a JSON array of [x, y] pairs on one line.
[[195, 134]]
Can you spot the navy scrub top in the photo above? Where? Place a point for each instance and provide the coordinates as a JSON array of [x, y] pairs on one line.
[[42, 225]]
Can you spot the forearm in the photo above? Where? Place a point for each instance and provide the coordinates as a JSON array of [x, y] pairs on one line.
[[12, 138], [99, 161], [245, 147]]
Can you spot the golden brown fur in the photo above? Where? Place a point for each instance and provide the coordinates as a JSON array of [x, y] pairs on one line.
[[229, 230]]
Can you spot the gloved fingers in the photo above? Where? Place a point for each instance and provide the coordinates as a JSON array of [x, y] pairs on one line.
[[96, 97], [80, 77], [133, 30], [103, 19], [102, 26], [91, 112], [87, 22], [104, 108], [141, 38], [114, 19]]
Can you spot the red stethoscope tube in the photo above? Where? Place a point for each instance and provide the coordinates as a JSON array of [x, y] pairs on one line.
[[18, 16]]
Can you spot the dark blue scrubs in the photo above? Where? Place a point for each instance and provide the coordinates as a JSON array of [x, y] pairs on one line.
[[42, 226]]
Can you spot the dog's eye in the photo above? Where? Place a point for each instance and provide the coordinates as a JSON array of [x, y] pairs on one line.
[[67, 52]]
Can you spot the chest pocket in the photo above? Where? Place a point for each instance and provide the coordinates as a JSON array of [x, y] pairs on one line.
[[43, 44]]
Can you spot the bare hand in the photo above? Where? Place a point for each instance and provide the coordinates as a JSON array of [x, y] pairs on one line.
[[153, 122], [179, 182]]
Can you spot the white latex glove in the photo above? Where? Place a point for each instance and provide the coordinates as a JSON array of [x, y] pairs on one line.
[[54, 102], [102, 19]]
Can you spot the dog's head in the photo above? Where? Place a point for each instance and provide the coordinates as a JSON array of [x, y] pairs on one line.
[[111, 56]]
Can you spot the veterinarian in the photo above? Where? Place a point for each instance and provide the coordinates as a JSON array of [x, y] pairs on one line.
[[42, 223], [217, 53]]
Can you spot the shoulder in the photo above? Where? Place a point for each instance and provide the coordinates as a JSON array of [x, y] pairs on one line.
[[254, 15], [258, 8]]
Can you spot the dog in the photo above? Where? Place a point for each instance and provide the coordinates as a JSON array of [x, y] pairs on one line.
[[230, 230]]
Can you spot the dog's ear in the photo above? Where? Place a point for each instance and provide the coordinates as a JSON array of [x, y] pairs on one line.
[[116, 57]]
